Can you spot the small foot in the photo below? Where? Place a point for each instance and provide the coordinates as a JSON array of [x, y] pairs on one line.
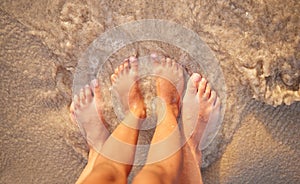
[[201, 98], [126, 87], [85, 110]]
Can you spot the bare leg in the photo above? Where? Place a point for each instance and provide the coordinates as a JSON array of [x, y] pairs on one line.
[[85, 110], [164, 162], [117, 154], [198, 96]]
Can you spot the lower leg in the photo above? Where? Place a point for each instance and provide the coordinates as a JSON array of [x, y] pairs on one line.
[[85, 111], [161, 167], [165, 156], [117, 154], [88, 168], [119, 148], [191, 167], [200, 97], [114, 163]]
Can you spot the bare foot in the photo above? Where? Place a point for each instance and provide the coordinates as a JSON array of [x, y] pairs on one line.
[[170, 82], [164, 158], [126, 87], [198, 97], [85, 110]]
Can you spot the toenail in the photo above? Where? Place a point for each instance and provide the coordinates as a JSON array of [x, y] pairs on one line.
[[95, 83], [132, 58], [154, 55], [196, 77]]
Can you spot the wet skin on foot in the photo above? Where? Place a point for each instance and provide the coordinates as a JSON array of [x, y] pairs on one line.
[[125, 86], [85, 111], [201, 97]]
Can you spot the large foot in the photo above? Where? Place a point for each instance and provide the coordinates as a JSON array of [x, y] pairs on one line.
[[85, 110], [165, 156], [201, 107], [169, 83], [126, 87]]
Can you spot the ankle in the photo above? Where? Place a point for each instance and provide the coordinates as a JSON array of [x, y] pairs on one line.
[[173, 109], [139, 112], [196, 152], [162, 108]]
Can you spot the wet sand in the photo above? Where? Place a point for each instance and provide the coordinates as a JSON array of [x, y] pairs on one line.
[[256, 44]]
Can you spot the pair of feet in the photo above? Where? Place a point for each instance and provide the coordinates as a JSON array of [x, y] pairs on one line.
[[200, 103]]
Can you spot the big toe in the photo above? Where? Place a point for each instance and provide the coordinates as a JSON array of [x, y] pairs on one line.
[[193, 83]]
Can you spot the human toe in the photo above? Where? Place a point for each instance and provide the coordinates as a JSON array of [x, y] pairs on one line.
[[126, 67], [88, 93], [213, 97], [72, 108], [96, 88], [169, 62], [113, 78], [217, 103], [202, 87], [133, 63], [76, 102], [163, 61], [82, 96], [207, 92], [121, 69], [193, 82], [175, 65], [117, 71]]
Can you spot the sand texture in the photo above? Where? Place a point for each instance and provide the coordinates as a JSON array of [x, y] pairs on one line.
[[256, 44]]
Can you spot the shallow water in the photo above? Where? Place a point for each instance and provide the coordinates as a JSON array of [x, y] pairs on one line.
[[255, 43]]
